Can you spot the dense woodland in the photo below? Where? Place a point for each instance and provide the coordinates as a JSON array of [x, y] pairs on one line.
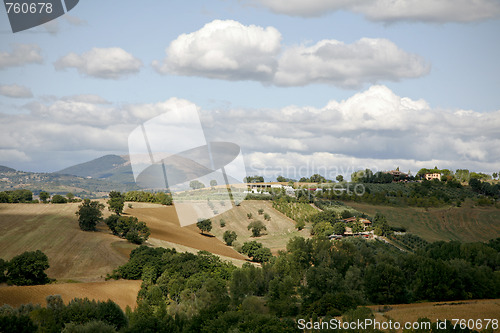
[[313, 278]]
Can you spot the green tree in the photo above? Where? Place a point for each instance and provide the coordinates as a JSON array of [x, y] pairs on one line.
[[262, 255], [70, 196], [495, 175], [229, 237], [196, 184], [3, 268], [116, 202], [58, 199], [205, 225], [339, 228], [213, 183], [317, 178], [260, 211], [249, 248], [44, 196], [89, 214], [254, 179], [281, 179], [28, 269], [340, 178], [257, 227]]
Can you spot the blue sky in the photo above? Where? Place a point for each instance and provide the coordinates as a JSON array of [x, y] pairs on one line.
[[335, 85]]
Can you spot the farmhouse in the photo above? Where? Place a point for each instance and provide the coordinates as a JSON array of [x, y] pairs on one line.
[[366, 223], [431, 176]]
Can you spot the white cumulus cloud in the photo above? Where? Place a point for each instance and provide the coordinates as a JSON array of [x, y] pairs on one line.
[[225, 50], [232, 51], [367, 60], [15, 91], [20, 55], [104, 63]]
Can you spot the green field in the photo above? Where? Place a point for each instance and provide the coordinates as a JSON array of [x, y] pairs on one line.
[[467, 223]]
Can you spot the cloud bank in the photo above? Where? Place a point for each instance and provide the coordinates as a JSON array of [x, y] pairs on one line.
[[391, 11], [374, 129]]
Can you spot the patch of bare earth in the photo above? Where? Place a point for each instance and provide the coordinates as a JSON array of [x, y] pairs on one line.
[[122, 292]]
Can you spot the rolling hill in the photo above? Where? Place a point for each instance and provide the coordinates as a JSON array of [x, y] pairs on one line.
[[112, 168]]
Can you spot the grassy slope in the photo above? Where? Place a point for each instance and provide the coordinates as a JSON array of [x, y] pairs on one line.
[[279, 229], [73, 254], [466, 223]]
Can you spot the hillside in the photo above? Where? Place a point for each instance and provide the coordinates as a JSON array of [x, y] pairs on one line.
[[165, 227], [280, 229], [110, 167], [4, 169], [466, 223], [74, 255]]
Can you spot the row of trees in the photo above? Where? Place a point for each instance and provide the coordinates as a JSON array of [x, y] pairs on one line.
[[16, 196], [142, 196], [90, 214], [26, 196], [79, 315]]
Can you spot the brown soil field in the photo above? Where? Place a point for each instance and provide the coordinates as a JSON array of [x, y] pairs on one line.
[[53, 228], [280, 229], [470, 309], [164, 225], [122, 292]]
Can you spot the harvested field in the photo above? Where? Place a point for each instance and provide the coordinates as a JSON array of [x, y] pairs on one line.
[[53, 228], [470, 309], [164, 225], [122, 292]]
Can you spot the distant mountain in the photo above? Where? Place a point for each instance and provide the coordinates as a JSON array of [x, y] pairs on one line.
[[6, 169], [110, 167]]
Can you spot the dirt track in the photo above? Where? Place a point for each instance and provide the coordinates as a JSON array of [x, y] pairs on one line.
[[122, 292], [164, 225]]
